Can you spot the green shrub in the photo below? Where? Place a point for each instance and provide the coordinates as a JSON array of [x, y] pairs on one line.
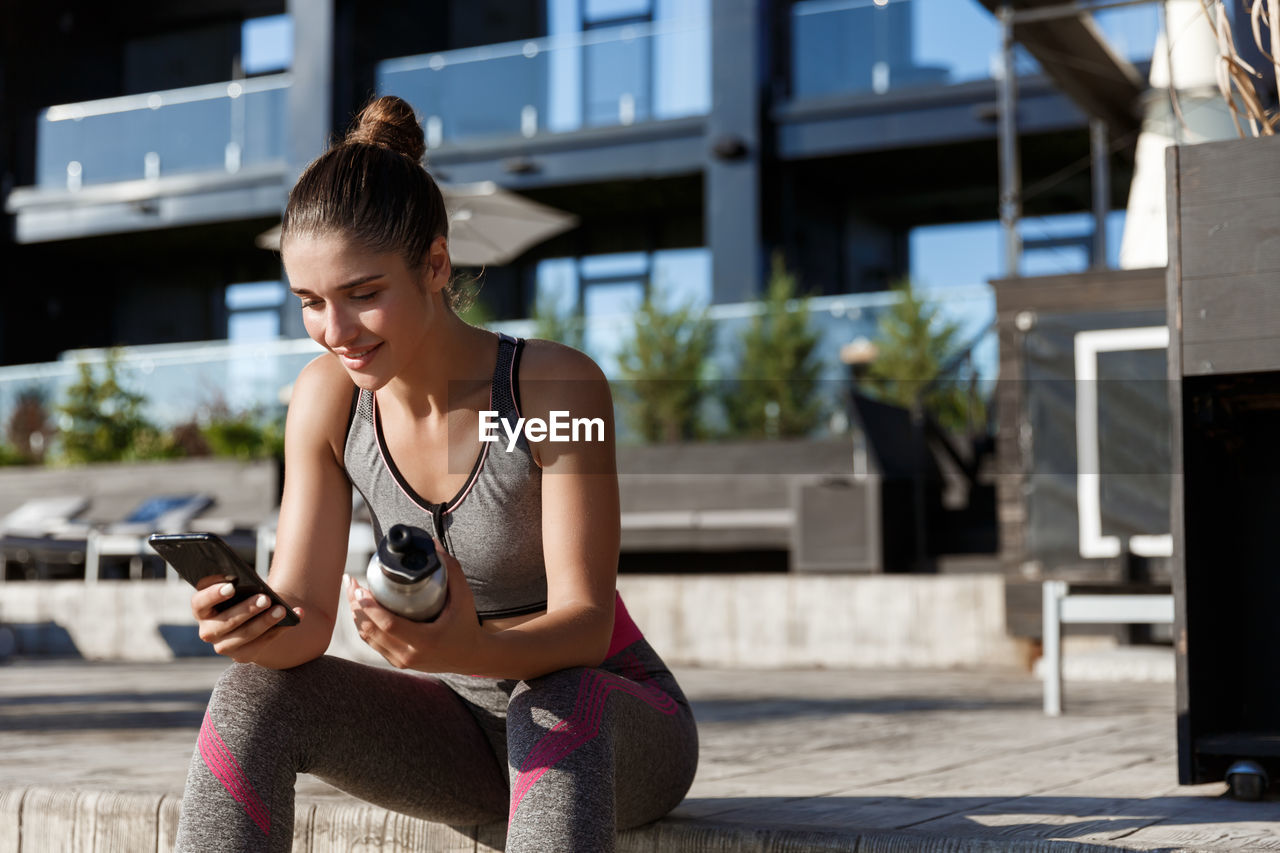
[[662, 367], [9, 455], [776, 391], [102, 421], [243, 436], [913, 345]]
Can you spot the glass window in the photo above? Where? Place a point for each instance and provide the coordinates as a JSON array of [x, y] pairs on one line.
[[266, 44], [621, 264], [682, 277], [600, 12], [613, 284], [968, 253], [616, 81], [955, 255], [557, 287], [253, 310], [608, 308], [611, 288], [612, 298], [877, 46], [244, 326]]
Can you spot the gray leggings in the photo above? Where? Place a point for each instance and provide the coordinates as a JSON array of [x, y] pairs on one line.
[[566, 759]]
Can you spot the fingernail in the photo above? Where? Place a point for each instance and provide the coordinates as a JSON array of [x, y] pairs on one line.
[[262, 601], [227, 589], [229, 577], [363, 596], [277, 612]]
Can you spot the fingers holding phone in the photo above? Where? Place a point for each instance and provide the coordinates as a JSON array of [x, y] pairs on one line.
[[232, 605], [231, 628]]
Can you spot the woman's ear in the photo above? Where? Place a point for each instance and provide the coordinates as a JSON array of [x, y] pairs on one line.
[[438, 268]]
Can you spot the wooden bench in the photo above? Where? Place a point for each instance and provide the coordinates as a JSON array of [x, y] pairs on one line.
[[720, 496]]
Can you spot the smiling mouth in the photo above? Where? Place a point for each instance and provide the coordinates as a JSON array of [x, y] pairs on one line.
[[358, 358]]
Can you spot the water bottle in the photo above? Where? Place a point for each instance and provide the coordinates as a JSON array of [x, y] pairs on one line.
[[406, 576]]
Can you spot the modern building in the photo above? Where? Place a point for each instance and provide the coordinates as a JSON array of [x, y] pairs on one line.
[[145, 145]]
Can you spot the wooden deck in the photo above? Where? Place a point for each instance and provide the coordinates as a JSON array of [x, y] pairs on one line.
[[793, 760]]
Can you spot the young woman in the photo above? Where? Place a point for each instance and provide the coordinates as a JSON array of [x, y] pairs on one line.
[[545, 707]]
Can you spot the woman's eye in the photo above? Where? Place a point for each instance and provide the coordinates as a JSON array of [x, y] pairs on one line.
[[364, 296], [310, 303]]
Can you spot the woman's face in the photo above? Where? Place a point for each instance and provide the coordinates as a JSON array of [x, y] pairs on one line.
[[370, 309]]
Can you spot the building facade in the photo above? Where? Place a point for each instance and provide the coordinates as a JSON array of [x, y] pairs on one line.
[[146, 145]]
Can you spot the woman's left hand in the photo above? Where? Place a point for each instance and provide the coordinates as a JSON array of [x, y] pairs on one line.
[[447, 644]]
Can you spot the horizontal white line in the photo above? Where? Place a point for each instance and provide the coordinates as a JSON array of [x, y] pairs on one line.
[[1083, 609], [722, 519], [166, 98]]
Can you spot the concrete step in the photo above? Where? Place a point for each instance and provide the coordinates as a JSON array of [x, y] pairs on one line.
[[46, 819], [94, 756], [755, 620]]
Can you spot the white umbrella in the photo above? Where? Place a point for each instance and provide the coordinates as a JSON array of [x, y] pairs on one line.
[[487, 224]]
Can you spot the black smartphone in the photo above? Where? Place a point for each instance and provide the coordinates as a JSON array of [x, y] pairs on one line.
[[197, 555]]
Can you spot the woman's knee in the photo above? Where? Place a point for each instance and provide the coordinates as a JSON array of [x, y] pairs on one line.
[[554, 692], [246, 689], [557, 680]]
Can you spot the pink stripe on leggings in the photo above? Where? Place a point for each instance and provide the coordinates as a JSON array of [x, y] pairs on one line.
[[223, 765], [625, 631], [580, 727]]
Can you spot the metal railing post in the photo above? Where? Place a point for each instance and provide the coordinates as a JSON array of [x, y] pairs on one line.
[[1051, 632], [1010, 167]]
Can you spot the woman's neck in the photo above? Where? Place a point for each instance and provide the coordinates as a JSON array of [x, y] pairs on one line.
[[454, 357]]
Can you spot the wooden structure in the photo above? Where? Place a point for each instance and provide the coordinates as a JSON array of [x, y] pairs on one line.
[[1224, 371], [1019, 304]]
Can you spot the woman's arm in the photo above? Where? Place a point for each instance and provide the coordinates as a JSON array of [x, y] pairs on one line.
[[580, 520], [311, 537], [580, 536]]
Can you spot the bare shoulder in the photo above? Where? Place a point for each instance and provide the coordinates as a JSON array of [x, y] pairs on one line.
[[557, 383], [548, 360], [320, 404]]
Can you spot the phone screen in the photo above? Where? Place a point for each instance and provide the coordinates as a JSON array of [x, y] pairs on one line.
[[195, 556]]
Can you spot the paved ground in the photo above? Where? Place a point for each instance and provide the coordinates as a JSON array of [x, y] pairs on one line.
[[948, 758]]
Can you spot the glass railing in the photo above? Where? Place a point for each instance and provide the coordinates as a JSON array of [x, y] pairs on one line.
[[181, 381], [878, 46], [218, 127], [605, 77], [837, 320]]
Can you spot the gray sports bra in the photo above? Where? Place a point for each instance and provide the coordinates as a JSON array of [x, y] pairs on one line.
[[493, 525]]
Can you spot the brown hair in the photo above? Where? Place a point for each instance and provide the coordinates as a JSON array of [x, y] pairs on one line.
[[372, 188]]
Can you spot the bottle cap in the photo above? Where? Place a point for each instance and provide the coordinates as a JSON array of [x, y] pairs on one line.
[[407, 555]]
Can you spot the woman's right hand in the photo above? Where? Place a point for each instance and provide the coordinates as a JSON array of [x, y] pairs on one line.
[[232, 632]]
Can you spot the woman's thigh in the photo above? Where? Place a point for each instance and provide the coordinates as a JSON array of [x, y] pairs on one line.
[[402, 740], [626, 730]]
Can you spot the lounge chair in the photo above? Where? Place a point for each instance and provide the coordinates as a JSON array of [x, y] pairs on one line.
[[128, 537], [43, 536]]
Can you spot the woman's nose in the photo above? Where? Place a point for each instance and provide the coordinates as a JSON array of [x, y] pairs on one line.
[[339, 328]]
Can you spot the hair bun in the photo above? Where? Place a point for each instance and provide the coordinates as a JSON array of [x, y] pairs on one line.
[[390, 122]]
